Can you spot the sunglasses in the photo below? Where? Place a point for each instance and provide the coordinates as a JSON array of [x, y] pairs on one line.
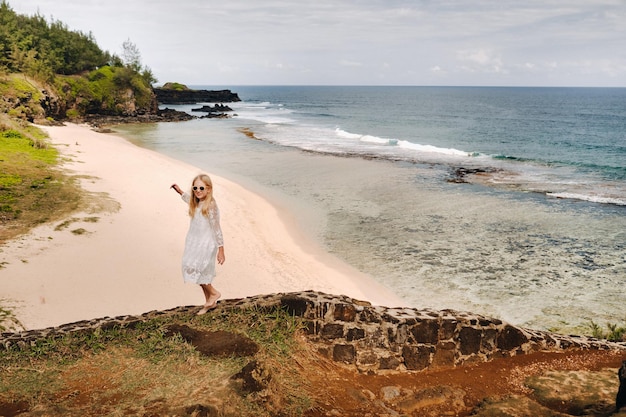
[[200, 188]]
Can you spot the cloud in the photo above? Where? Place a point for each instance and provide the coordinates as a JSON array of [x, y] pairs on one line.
[[481, 60], [334, 42]]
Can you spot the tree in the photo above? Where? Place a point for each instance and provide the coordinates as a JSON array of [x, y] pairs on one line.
[[32, 45], [131, 58], [131, 55]]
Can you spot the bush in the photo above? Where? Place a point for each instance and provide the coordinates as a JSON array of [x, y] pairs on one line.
[[613, 332], [175, 86]]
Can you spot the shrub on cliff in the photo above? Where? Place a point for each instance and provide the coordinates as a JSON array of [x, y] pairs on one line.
[[175, 87], [20, 97], [77, 77], [110, 90]]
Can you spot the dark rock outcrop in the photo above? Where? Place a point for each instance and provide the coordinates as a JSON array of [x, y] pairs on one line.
[[171, 96], [161, 115], [215, 109], [460, 174]]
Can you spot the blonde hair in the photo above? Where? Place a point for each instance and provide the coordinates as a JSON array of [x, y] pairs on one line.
[[194, 201]]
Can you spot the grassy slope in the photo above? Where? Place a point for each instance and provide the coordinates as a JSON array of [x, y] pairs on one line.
[[33, 190]]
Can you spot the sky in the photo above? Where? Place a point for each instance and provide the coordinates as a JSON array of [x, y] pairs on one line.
[[359, 42]]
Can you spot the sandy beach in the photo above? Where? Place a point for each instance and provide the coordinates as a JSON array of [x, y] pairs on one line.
[[122, 256]]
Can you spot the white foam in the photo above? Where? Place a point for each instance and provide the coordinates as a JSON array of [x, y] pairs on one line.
[[432, 149], [366, 138], [403, 144], [591, 198], [347, 135]]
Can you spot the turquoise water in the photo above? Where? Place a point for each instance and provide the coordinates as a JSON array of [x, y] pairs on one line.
[[537, 237]]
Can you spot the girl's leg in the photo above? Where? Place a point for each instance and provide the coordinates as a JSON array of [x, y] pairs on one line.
[[211, 295], [207, 292], [214, 295]]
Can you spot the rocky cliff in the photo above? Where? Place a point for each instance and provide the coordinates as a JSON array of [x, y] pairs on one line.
[[34, 101]]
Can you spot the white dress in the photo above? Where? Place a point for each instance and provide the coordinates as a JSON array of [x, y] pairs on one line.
[[203, 239]]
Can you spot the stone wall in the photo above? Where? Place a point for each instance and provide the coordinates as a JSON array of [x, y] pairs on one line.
[[377, 338], [372, 338]]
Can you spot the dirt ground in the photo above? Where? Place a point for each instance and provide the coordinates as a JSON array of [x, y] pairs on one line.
[[341, 390], [481, 389], [455, 392]]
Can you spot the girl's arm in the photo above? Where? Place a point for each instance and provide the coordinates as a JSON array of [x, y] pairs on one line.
[[186, 197], [177, 189], [220, 255], [214, 219]]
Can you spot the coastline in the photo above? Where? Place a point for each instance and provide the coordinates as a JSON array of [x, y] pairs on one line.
[[126, 259]]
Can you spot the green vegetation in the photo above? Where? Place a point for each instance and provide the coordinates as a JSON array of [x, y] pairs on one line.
[[21, 97], [31, 45], [613, 332], [104, 91], [175, 87], [47, 70], [32, 189], [146, 370]]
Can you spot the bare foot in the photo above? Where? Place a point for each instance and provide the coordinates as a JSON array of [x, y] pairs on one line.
[[205, 308]]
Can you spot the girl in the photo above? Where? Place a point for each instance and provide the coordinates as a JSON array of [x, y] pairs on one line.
[[204, 242]]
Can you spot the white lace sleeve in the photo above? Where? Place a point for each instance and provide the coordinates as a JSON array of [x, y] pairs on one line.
[[214, 219], [186, 197]]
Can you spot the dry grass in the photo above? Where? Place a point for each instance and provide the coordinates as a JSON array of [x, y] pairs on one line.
[[124, 372]]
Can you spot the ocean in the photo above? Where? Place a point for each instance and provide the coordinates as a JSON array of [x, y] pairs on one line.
[[508, 202]]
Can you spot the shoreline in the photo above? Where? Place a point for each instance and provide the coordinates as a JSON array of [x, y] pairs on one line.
[[126, 260]]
